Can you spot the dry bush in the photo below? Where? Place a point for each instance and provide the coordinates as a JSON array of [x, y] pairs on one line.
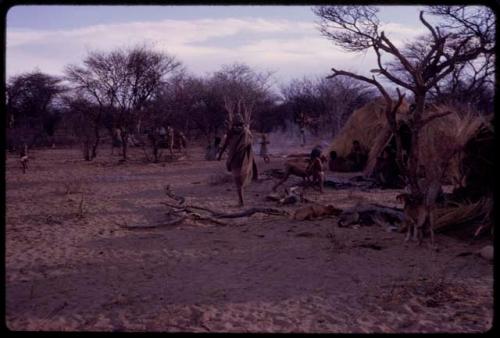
[[464, 213]]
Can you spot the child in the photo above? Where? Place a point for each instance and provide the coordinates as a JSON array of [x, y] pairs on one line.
[[24, 158], [263, 148], [315, 168]]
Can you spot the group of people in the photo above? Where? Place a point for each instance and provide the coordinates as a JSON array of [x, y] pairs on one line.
[[354, 161], [241, 162]]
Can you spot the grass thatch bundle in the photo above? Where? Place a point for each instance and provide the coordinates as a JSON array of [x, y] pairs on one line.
[[463, 214], [443, 139]]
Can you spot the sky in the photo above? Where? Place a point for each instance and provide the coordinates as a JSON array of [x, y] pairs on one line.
[[282, 39]]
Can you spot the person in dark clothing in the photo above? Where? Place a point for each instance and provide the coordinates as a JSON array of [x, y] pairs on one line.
[[213, 149], [339, 164], [386, 171], [357, 156]]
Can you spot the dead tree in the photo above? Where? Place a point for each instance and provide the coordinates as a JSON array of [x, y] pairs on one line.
[[357, 28]]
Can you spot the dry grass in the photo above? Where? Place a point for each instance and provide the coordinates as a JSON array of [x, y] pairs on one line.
[[443, 139], [462, 213]]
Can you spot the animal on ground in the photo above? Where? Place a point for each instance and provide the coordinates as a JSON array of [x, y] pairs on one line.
[[419, 212], [294, 168], [314, 211], [311, 172]]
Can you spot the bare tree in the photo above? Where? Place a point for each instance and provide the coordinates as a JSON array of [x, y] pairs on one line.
[[325, 103], [122, 81], [357, 28], [241, 89]]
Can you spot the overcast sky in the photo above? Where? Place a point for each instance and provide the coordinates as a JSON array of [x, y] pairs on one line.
[[282, 39]]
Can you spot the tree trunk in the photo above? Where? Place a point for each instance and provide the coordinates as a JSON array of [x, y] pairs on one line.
[[413, 160], [155, 150], [124, 135], [96, 142], [86, 150]]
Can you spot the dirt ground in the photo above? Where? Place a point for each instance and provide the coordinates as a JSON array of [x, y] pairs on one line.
[[70, 266]]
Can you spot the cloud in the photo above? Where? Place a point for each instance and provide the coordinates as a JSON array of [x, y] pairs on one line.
[[290, 48]]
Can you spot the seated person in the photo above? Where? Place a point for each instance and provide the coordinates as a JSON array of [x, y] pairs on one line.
[[315, 168], [339, 164], [358, 156]]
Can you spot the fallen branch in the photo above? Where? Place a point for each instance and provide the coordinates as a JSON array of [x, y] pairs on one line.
[[250, 212], [208, 218], [149, 226], [171, 194], [193, 210]]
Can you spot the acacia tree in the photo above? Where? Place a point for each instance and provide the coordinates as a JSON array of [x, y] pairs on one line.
[[121, 82], [30, 105], [357, 28]]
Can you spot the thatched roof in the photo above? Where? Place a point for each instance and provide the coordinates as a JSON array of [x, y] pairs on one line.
[[367, 125]]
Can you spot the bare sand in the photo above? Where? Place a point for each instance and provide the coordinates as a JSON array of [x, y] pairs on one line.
[[70, 266]]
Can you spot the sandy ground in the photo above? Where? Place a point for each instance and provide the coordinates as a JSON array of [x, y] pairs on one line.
[[71, 267]]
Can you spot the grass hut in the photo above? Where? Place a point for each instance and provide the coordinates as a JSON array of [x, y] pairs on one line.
[[365, 124], [369, 126]]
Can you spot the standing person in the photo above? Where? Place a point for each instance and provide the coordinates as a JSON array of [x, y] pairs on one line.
[[240, 160], [302, 135], [357, 156], [301, 120], [24, 158], [315, 167], [213, 149], [162, 135], [170, 138], [263, 148], [182, 142]]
